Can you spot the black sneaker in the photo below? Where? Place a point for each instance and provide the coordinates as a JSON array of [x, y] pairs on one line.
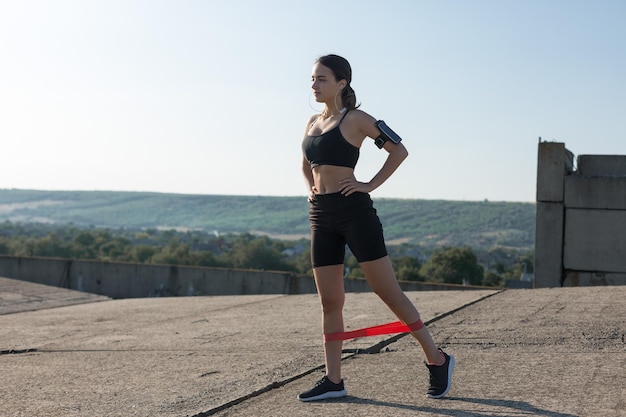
[[440, 377], [324, 389]]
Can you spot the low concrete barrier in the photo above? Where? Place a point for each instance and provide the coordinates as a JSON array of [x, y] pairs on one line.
[[131, 280]]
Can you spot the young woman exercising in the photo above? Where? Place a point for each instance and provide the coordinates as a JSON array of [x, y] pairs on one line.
[[341, 212]]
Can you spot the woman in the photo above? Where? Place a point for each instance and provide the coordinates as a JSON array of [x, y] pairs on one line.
[[341, 212]]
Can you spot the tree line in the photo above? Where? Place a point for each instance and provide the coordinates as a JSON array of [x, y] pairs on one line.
[[457, 265]]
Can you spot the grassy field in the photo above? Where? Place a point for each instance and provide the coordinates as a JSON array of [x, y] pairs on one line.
[[479, 224]]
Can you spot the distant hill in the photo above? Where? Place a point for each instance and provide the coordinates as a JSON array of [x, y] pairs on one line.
[[479, 224]]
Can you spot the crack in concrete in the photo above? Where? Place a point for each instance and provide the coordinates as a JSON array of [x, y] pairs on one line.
[[17, 351]]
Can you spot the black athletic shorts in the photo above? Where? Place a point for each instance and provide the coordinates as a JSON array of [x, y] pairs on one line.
[[337, 220]]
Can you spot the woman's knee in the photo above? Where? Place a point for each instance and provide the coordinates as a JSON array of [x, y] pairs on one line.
[[390, 295], [329, 282], [332, 303]]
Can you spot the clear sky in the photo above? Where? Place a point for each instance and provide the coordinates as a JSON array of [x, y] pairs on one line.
[[211, 97]]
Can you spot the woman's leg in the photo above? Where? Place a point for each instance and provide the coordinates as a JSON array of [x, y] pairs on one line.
[[329, 281], [382, 279]]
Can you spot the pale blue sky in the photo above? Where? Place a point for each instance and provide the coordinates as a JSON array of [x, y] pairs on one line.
[[211, 97]]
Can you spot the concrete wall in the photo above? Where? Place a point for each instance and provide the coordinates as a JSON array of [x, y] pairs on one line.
[[127, 280], [580, 236]]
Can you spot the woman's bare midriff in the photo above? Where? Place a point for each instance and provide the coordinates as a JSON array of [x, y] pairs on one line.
[[327, 178]]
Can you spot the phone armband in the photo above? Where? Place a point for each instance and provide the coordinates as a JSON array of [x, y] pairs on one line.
[[386, 134]]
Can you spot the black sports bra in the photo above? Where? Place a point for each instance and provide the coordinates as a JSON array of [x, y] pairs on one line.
[[330, 148]]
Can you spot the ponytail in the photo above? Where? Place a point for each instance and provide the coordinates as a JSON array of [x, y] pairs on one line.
[[348, 98]]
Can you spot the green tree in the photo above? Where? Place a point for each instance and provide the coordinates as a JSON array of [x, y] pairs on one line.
[[453, 266], [523, 264], [351, 265], [302, 261], [142, 253], [50, 246], [492, 279], [206, 258], [114, 249], [407, 268], [174, 253], [84, 246], [253, 252], [5, 248]]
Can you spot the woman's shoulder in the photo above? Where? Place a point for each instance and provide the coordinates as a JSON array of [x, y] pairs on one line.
[[363, 122], [360, 117], [311, 120]]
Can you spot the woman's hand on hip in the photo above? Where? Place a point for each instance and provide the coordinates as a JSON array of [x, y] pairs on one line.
[[350, 185]]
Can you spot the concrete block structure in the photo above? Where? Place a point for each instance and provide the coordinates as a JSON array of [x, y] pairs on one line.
[[580, 236]]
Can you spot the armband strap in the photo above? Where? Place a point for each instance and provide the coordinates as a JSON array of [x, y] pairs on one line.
[[385, 134]]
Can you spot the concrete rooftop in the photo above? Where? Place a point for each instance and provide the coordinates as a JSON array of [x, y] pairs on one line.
[[550, 352]]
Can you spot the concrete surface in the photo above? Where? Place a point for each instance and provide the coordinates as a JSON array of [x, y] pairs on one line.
[[548, 267], [602, 165], [549, 352], [603, 245], [18, 296], [595, 192]]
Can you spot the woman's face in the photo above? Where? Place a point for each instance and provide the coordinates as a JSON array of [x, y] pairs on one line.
[[325, 86]]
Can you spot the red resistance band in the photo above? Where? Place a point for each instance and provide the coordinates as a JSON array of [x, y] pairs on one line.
[[389, 328]]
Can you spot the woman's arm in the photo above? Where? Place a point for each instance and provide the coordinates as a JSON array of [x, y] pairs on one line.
[[306, 167], [308, 178], [396, 154]]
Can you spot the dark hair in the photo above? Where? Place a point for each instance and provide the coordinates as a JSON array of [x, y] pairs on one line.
[[342, 70]]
